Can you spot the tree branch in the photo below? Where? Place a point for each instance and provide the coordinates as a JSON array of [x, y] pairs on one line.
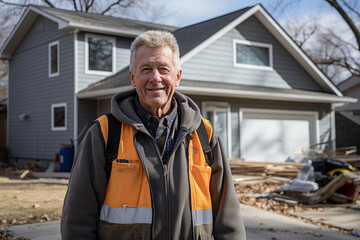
[[75, 5], [13, 4], [351, 8], [347, 19], [49, 3]]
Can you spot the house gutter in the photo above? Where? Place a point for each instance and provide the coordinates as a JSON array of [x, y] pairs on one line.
[[233, 93], [264, 95], [103, 92]]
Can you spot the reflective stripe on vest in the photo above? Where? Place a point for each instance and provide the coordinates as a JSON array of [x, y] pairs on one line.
[[128, 198], [199, 175]]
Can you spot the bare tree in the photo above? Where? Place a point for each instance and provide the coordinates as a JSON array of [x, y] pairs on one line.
[[331, 48]]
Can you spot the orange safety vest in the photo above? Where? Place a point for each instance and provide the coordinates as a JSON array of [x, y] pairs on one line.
[[130, 201]]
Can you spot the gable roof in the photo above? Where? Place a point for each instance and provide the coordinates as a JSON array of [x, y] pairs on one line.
[[349, 83], [225, 23], [81, 21], [191, 36]]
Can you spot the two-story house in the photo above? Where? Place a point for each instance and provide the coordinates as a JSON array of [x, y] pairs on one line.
[[263, 94]]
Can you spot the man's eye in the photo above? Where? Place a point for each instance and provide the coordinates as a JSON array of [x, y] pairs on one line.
[[164, 70], [145, 69]]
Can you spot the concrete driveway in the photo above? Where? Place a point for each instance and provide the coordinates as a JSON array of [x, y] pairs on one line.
[[259, 224]]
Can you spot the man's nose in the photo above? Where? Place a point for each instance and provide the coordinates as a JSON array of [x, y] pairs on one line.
[[155, 76]]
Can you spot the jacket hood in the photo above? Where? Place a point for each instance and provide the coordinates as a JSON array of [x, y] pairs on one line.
[[122, 108]]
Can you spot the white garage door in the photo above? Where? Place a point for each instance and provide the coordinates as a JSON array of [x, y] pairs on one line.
[[272, 136]]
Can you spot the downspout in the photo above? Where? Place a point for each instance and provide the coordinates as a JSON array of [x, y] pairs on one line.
[[75, 89]]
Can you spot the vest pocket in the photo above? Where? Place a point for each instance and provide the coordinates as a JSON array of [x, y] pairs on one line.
[[128, 186], [201, 185]]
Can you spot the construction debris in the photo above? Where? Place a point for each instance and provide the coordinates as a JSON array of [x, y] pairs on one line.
[[334, 180], [280, 169]]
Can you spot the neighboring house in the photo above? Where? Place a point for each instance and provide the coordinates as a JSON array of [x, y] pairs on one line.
[[348, 116], [263, 94]]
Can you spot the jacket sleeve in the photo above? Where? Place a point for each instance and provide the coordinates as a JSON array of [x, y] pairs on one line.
[[86, 190], [228, 223]]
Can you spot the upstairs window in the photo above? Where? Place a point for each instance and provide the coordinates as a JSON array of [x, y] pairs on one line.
[[252, 54], [58, 117], [54, 59], [99, 54]]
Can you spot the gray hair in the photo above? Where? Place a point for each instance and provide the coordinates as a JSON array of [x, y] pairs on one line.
[[155, 39]]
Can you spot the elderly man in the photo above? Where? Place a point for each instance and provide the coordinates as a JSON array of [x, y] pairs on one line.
[[163, 184]]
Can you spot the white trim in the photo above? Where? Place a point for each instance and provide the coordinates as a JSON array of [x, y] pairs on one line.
[[103, 92], [255, 44], [263, 95], [259, 12], [312, 116], [105, 30], [53, 128], [222, 107], [97, 72], [76, 86], [50, 45], [295, 50], [219, 34], [59, 21]]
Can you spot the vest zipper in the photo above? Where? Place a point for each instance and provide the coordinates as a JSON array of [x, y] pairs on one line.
[[187, 142]]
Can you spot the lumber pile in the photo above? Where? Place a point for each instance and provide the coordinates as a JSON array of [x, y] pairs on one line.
[[280, 169]]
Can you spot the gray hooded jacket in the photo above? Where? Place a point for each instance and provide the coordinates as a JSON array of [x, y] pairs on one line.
[[171, 205]]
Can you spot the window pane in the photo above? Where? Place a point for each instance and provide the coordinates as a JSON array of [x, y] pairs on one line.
[[59, 117], [235, 135], [252, 55], [54, 59], [100, 54]]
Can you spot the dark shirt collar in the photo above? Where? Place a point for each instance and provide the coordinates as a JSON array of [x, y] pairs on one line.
[[147, 117]]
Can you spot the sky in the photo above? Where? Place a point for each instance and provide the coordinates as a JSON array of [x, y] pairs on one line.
[[187, 12]]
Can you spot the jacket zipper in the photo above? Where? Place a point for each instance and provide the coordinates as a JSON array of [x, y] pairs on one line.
[[166, 179], [187, 142]]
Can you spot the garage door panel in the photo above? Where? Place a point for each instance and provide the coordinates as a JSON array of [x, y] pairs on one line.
[[272, 140]]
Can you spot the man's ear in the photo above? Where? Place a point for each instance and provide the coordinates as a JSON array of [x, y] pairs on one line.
[[178, 78], [132, 79]]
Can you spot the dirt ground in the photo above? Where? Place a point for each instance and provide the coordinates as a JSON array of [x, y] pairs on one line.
[[28, 200], [24, 199], [22, 203]]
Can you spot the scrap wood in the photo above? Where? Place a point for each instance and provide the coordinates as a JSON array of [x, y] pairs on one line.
[[286, 169], [328, 191]]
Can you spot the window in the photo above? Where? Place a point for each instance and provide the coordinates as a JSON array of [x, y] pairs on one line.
[[218, 113], [99, 54], [54, 59], [58, 117], [252, 54]]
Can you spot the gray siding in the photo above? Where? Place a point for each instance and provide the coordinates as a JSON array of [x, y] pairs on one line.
[[215, 62], [122, 60], [32, 91]]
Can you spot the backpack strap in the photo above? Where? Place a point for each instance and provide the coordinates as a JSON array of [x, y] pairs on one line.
[[204, 140], [112, 146]]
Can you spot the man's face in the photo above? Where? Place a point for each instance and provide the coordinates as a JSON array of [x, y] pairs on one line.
[[155, 79]]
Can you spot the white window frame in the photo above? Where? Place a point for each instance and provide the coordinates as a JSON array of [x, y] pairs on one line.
[[58, 59], [256, 44], [213, 106], [53, 106], [96, 72]]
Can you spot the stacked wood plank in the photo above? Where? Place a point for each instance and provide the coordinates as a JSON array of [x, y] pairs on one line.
[[282, 169]]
